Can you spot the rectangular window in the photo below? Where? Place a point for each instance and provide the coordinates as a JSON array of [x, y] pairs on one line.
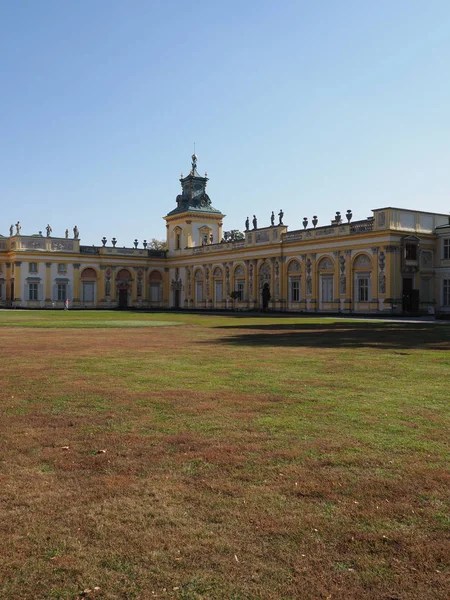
[[240, 288], [62, 269], [199, 291], [62, 292], [88, 291], [446, 249], [411, 251], [32, 267], [294, 289], [33, 291], [155, 292], [327, 289], [446, 294], [218, 291], [363, 289]]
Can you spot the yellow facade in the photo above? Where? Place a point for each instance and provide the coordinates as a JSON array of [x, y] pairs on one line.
[[396, 261]]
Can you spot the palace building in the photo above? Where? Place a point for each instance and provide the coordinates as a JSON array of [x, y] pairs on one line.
[[395, 261]]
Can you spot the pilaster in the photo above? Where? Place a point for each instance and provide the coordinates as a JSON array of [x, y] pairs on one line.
[[48, 283], [76, 283], [101, 286], [374, 276], [17, 281]]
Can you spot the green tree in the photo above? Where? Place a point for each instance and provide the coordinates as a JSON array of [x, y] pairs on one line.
[[155, 244]]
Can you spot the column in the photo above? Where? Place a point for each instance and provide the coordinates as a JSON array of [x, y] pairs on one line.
[[101, 285], [374, 280], [8, 281], [133, 299], [314, 302], [348, 281], [393, 278], [283, 283], [303, 281], [113, 286], [17, 282], [48, 283], [166, 288], [76, 284], [336, 282]]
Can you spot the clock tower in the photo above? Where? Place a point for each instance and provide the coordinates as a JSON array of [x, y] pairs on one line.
[[194, 221]]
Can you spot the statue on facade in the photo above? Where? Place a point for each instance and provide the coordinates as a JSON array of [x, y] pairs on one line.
[[11, 230], [272, 219], [247, 224], [49, 230], [255, 222], [18, 227], [280, 216], [76, 233], [67, 233]]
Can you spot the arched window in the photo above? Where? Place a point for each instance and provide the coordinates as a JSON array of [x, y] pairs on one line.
[[294, 280], [177, 233], [88, 285], [362, 266], [239, 282], [294, 266], [326, 264], [124, 274], [326, 287], [155, 279], [198, 276], [218, 285], [88, 273]]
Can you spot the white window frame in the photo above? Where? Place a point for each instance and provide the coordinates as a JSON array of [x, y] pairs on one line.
[[88, 285], [240, 288], [294, 289], [446, 248], [218, 290], [326, 288], [363, 284], [61, 292], [155, 291], [446, 292], [33, 291], [199, 291]]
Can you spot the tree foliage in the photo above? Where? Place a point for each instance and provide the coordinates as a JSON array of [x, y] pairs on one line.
[[155, 244]]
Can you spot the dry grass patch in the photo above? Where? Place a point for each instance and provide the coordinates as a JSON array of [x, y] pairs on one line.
[[198, 461]]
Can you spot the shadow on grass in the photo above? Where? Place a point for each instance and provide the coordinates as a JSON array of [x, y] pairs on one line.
[[340, 335]]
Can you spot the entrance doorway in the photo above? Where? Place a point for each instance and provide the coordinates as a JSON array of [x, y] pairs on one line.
[[123, 298], [410, 297], [176, 298]]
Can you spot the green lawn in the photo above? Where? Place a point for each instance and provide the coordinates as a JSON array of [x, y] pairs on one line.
[[235, 457]]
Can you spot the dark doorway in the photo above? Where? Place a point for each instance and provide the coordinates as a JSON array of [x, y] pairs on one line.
[[176, 298], [410, 296], [123, 298]]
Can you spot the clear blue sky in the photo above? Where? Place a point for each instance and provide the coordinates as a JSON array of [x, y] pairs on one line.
[[311, 107]]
